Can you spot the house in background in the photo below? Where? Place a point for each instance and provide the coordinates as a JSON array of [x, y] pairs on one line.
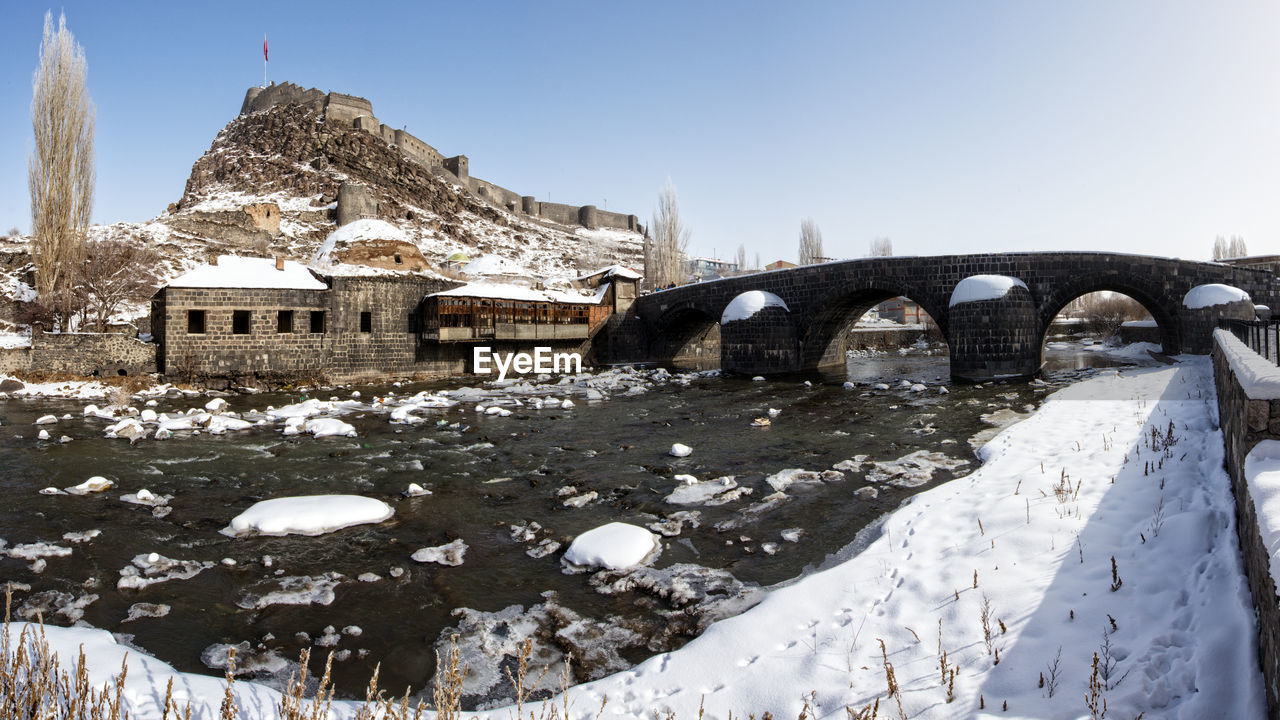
[[704, 268], [901, 310], [780, 265]]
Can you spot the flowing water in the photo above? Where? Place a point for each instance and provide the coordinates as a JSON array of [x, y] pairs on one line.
[[486, 474]]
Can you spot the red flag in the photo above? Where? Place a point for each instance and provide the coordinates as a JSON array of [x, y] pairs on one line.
[[264, 48]]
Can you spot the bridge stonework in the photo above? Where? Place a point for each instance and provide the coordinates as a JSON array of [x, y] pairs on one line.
[[988, 339]]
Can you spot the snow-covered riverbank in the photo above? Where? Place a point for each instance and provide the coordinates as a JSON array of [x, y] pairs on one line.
[[1095, 474]]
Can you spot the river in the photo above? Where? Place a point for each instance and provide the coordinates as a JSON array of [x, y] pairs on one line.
[[358, 593]]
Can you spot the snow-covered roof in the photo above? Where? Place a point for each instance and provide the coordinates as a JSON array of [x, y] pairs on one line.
[[748, 304], [499, 291], [364, 229], [232, 271], [1203, 296], [983, 287], [619, 271]]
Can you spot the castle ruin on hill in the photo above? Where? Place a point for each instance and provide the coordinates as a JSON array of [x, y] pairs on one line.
[[357, 112]]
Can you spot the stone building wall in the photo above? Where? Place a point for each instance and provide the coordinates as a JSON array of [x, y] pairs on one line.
[[14, 360], [218, 351], [391, 345], [341, 351], [1246, 421]]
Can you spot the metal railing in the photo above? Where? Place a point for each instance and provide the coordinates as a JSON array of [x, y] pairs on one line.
[[1262, 336]]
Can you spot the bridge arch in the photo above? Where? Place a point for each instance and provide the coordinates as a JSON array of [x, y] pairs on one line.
[[1146, 293], [822, 331], [687, 334]]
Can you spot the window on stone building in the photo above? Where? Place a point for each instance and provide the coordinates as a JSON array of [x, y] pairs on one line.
[[240, 322], [317, 321], [195, 322], [366, 322], [284, 321], [413, 322]]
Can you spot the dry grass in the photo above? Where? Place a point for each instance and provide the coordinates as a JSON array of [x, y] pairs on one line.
[[35, 686]]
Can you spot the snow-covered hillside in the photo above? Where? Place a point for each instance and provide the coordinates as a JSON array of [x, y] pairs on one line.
[[268, 186]]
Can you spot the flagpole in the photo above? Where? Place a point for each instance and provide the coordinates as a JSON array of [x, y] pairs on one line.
[[264, 60]]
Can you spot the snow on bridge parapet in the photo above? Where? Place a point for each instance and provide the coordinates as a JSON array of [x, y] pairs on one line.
[[983, 287], [1258, 378]]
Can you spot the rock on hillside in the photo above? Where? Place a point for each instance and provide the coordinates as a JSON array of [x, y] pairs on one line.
[[287, 156]]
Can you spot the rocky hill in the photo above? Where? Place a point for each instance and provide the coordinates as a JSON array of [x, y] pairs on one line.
[[268, 185]]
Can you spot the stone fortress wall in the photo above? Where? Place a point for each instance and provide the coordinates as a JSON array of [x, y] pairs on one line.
[[357, 112]]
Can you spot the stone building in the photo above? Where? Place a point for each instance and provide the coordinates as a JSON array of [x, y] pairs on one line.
[[264, 322], [257, 320]]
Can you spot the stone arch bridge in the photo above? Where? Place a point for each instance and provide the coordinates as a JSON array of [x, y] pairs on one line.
[[987, 339]]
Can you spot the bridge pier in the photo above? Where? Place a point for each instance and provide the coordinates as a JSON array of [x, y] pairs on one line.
[[994, 339], [765, 343]]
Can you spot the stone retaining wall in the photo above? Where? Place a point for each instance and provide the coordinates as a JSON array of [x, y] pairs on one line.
[[91, 354], [1246, 419]]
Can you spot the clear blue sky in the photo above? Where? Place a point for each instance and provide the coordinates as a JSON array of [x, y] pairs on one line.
[[1147, 126]]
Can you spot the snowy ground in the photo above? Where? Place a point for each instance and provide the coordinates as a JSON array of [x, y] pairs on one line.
[[1126, 466]]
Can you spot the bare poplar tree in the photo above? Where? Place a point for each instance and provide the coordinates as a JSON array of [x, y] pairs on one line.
[[1233, 247], [663, 264], [741, 258], [810, 242], [60, 171], [757, 265], [881, 247]]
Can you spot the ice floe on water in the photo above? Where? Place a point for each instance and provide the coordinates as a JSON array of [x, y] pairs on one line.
[[308, 515], [719, 491], [449, 554], [290, 590], [914, 469], [151, 568]]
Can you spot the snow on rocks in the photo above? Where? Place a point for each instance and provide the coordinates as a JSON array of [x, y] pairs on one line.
[[328, 427], [308, 515], [680, 450], [151, 568], [615, 546], [449, 554], [1213, 294], [976, 288], [46, 419], [416, 490], [95, 484], [749, 303]]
